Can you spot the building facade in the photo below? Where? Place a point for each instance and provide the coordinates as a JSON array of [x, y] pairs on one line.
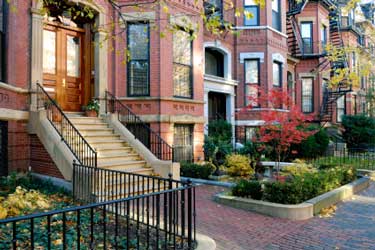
[[174, 83]]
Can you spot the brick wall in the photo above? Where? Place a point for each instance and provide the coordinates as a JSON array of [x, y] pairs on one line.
[[40, 161]]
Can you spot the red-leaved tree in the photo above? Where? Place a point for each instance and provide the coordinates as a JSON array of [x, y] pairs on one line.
[[284, 123]]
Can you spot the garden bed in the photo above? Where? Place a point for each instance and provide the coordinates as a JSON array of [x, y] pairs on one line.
[[302, 211]]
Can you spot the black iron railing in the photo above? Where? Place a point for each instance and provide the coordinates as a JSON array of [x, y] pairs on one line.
[[77, 144], [361, 158], [141, 130], [161, 220], [97, 185]]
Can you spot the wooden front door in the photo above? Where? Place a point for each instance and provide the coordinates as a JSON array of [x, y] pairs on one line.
[[63, 65]]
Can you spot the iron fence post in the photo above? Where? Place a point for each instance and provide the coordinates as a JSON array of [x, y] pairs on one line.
[[190, 214]]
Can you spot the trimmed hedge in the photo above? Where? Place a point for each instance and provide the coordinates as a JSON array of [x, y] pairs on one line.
[[301, 187], [251, 189], [194, 170]]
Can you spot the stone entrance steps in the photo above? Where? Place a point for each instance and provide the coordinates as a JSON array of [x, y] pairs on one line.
[[113, 152]]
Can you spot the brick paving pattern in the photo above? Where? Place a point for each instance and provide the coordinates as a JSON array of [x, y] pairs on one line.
[[351, 227]]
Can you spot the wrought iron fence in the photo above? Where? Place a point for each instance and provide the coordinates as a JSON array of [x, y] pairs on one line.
[[69, 134], [141, 130], [160, 220], [98, 185], [358, 157]]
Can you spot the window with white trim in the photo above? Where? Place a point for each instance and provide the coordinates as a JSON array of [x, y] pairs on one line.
[[252, 67], [277, 74], [307, 95], [340, 111]]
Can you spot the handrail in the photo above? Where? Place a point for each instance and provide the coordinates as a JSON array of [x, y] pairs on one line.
[[142, 131], [69, 134]]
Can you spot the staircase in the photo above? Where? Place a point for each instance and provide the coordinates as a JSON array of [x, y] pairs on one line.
[[113, 153]]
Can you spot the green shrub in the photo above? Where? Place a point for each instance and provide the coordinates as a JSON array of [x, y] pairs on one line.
[[299, 168], [194, 170], [308, 185], [238, 165], [359, 130], [313, 146], [246, 188]]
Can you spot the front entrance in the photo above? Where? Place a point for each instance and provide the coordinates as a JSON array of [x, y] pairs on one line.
[[217, 106], [3, 148], [66, 68]]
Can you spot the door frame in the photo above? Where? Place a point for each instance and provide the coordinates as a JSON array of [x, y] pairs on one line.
[[85, 57], [100, 52]]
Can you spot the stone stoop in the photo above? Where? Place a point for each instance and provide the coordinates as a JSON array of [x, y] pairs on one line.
[[113, 152]]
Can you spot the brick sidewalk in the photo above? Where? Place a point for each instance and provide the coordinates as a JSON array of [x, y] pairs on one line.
[[352, 227]]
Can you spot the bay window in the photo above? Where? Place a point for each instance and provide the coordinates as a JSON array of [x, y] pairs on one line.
[[182, 64], [138, 65]]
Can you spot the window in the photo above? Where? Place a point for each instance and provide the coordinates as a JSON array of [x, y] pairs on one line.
[[139, 62], [214, 63], [182, 64], [291, 87], [351, 17], [251, 17], [323, 36], [251, 82], [183, 142], [354, 62], [213, 8], [307, 37], [277, 74], [250, 133], [3, 24], [276, 15], [363, 82], [340, 108], [307, 95]]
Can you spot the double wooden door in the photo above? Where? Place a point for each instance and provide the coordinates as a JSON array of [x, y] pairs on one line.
[[63, 65]]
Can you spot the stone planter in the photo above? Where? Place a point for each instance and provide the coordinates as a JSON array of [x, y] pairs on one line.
[[302, 211]]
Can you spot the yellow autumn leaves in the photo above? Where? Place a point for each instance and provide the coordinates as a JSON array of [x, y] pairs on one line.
[[21, 202]]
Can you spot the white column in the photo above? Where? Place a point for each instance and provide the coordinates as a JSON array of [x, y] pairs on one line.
[[206, 112], [36, 54], [230, 113], [101, 68]]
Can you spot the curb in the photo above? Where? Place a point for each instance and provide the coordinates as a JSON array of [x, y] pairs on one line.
[[209, 182]]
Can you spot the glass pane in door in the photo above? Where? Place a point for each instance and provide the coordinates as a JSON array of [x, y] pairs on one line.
[[49, 52], [73, 51]]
